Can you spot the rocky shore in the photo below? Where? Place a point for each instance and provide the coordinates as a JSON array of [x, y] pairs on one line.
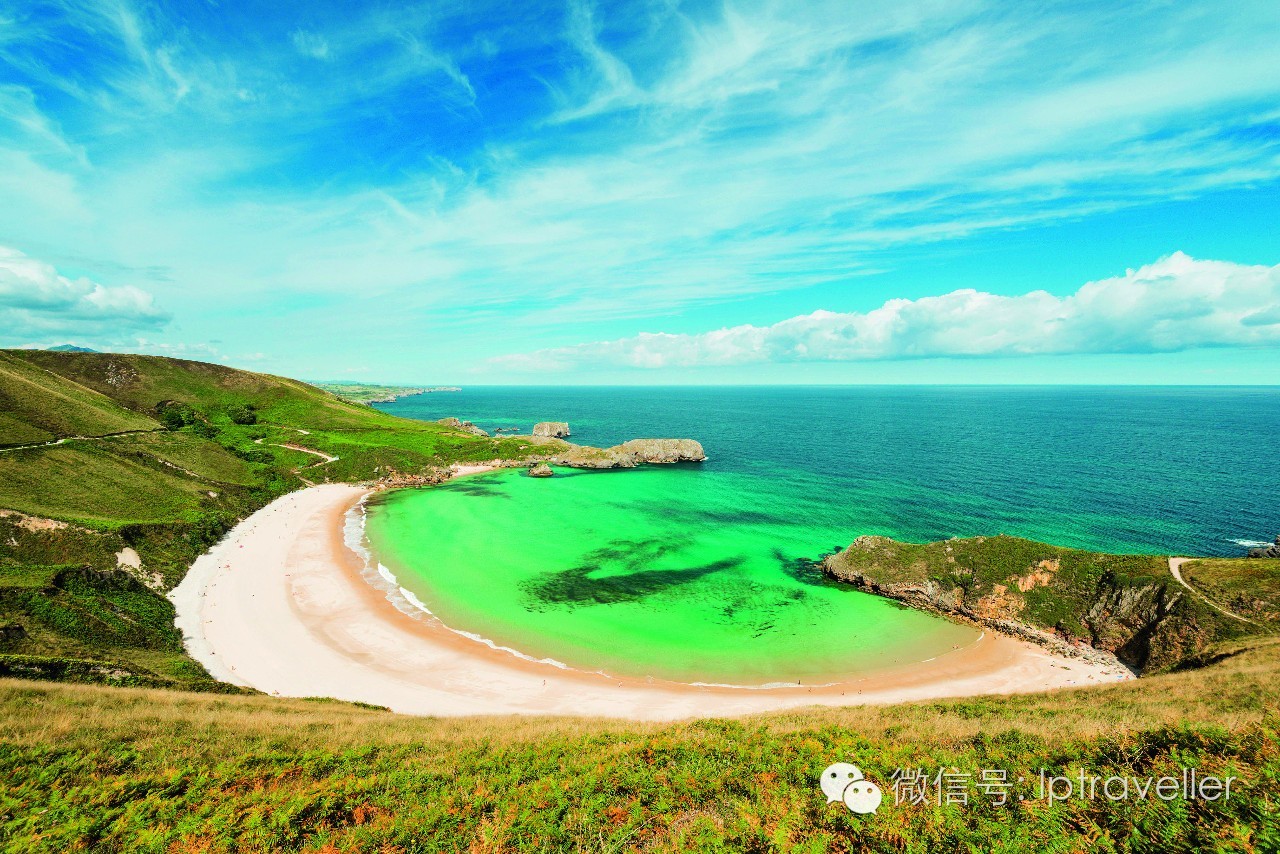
[[629, 454], [1271, 551], [932, 598], [1073, 602]]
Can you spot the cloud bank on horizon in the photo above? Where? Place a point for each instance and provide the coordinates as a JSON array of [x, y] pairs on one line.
[[434, 185], [1177, 303]]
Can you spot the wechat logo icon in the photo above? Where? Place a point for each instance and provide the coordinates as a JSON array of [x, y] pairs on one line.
[[844, 782]]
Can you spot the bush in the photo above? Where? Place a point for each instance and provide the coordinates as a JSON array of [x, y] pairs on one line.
[[243, 413], [175, 416], [204, 430]]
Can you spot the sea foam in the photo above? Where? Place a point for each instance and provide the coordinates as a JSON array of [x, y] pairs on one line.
[[355, 537]]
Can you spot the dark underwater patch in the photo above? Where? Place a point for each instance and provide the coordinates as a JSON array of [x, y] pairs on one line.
[[686, 515], [475, 488], [580, 585], [807, 571]]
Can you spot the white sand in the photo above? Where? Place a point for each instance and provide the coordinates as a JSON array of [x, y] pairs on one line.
[[280, 605]]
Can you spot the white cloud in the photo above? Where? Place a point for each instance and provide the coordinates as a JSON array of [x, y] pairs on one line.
[[310, 44], [1177, 303], [36, 302]]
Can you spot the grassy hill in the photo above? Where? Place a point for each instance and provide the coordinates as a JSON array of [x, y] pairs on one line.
[[88, 767], [157, 458], [161, 456]]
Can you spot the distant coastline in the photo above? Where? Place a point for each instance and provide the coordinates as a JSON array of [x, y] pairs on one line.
[[368, 393]]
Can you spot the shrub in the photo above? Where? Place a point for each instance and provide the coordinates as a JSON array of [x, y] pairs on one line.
[[175, 416], [243, 413]]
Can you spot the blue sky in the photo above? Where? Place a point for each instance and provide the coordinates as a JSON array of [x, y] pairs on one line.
[[935, 191]]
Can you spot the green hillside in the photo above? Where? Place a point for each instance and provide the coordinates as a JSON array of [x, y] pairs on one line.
[[160, 456], [37, 405]]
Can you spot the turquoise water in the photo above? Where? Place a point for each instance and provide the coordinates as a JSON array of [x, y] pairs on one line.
[[1159, 470], [704, 572], [650, 572]]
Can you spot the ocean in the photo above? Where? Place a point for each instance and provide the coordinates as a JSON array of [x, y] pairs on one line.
[[703, 572]]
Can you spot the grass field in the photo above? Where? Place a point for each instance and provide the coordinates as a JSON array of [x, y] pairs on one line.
[[122, 769], [1248, 587]]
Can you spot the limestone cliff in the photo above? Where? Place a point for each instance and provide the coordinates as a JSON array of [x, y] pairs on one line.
[[464, 426], [1127, 605], [553, 429], [632, 453]]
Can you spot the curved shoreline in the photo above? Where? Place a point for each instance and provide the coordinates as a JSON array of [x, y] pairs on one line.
[[283, 605]]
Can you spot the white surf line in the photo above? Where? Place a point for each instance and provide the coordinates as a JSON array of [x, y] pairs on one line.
[[1175, 568]]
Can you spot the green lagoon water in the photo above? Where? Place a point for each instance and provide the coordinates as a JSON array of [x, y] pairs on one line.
[[649, 572], [704, 573]]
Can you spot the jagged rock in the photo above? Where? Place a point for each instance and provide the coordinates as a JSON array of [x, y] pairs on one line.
[[465, 426], [632, 453], [393, 479], [1271, 551], [540, 470], [553, 429]]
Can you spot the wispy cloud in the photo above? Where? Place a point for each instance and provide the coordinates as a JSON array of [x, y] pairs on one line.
[[602, 162], [1176, 303], [310, 44]]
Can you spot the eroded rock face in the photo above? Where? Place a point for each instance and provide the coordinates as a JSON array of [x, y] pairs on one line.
[[632, 453], [1144, 621], [1272, 551], [465, 426], [541, 470], [552, 429]]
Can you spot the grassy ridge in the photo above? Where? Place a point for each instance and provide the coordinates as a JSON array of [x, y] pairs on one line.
[[212, 451], [163, 771], [1249, 587]]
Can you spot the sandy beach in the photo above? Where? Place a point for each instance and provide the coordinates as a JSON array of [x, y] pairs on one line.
[[281, 605]]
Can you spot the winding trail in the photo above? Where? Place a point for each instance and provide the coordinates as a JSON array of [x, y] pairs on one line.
[[325, 459], [65, 439], [1175, 569]]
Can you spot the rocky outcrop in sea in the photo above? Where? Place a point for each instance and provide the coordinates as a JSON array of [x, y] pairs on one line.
[[552, 429], [631, 454]]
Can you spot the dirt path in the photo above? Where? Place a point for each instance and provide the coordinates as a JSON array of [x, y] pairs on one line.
[[64, 439], [325, 459], [1175, 568]]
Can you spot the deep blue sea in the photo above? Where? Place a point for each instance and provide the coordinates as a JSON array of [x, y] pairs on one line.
[[1161, 470]]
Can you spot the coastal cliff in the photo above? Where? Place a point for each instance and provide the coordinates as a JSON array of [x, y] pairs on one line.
[[553, 429], [1066, 599], [632, 453]]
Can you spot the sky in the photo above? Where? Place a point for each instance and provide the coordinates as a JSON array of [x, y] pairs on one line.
[[915, 191]]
